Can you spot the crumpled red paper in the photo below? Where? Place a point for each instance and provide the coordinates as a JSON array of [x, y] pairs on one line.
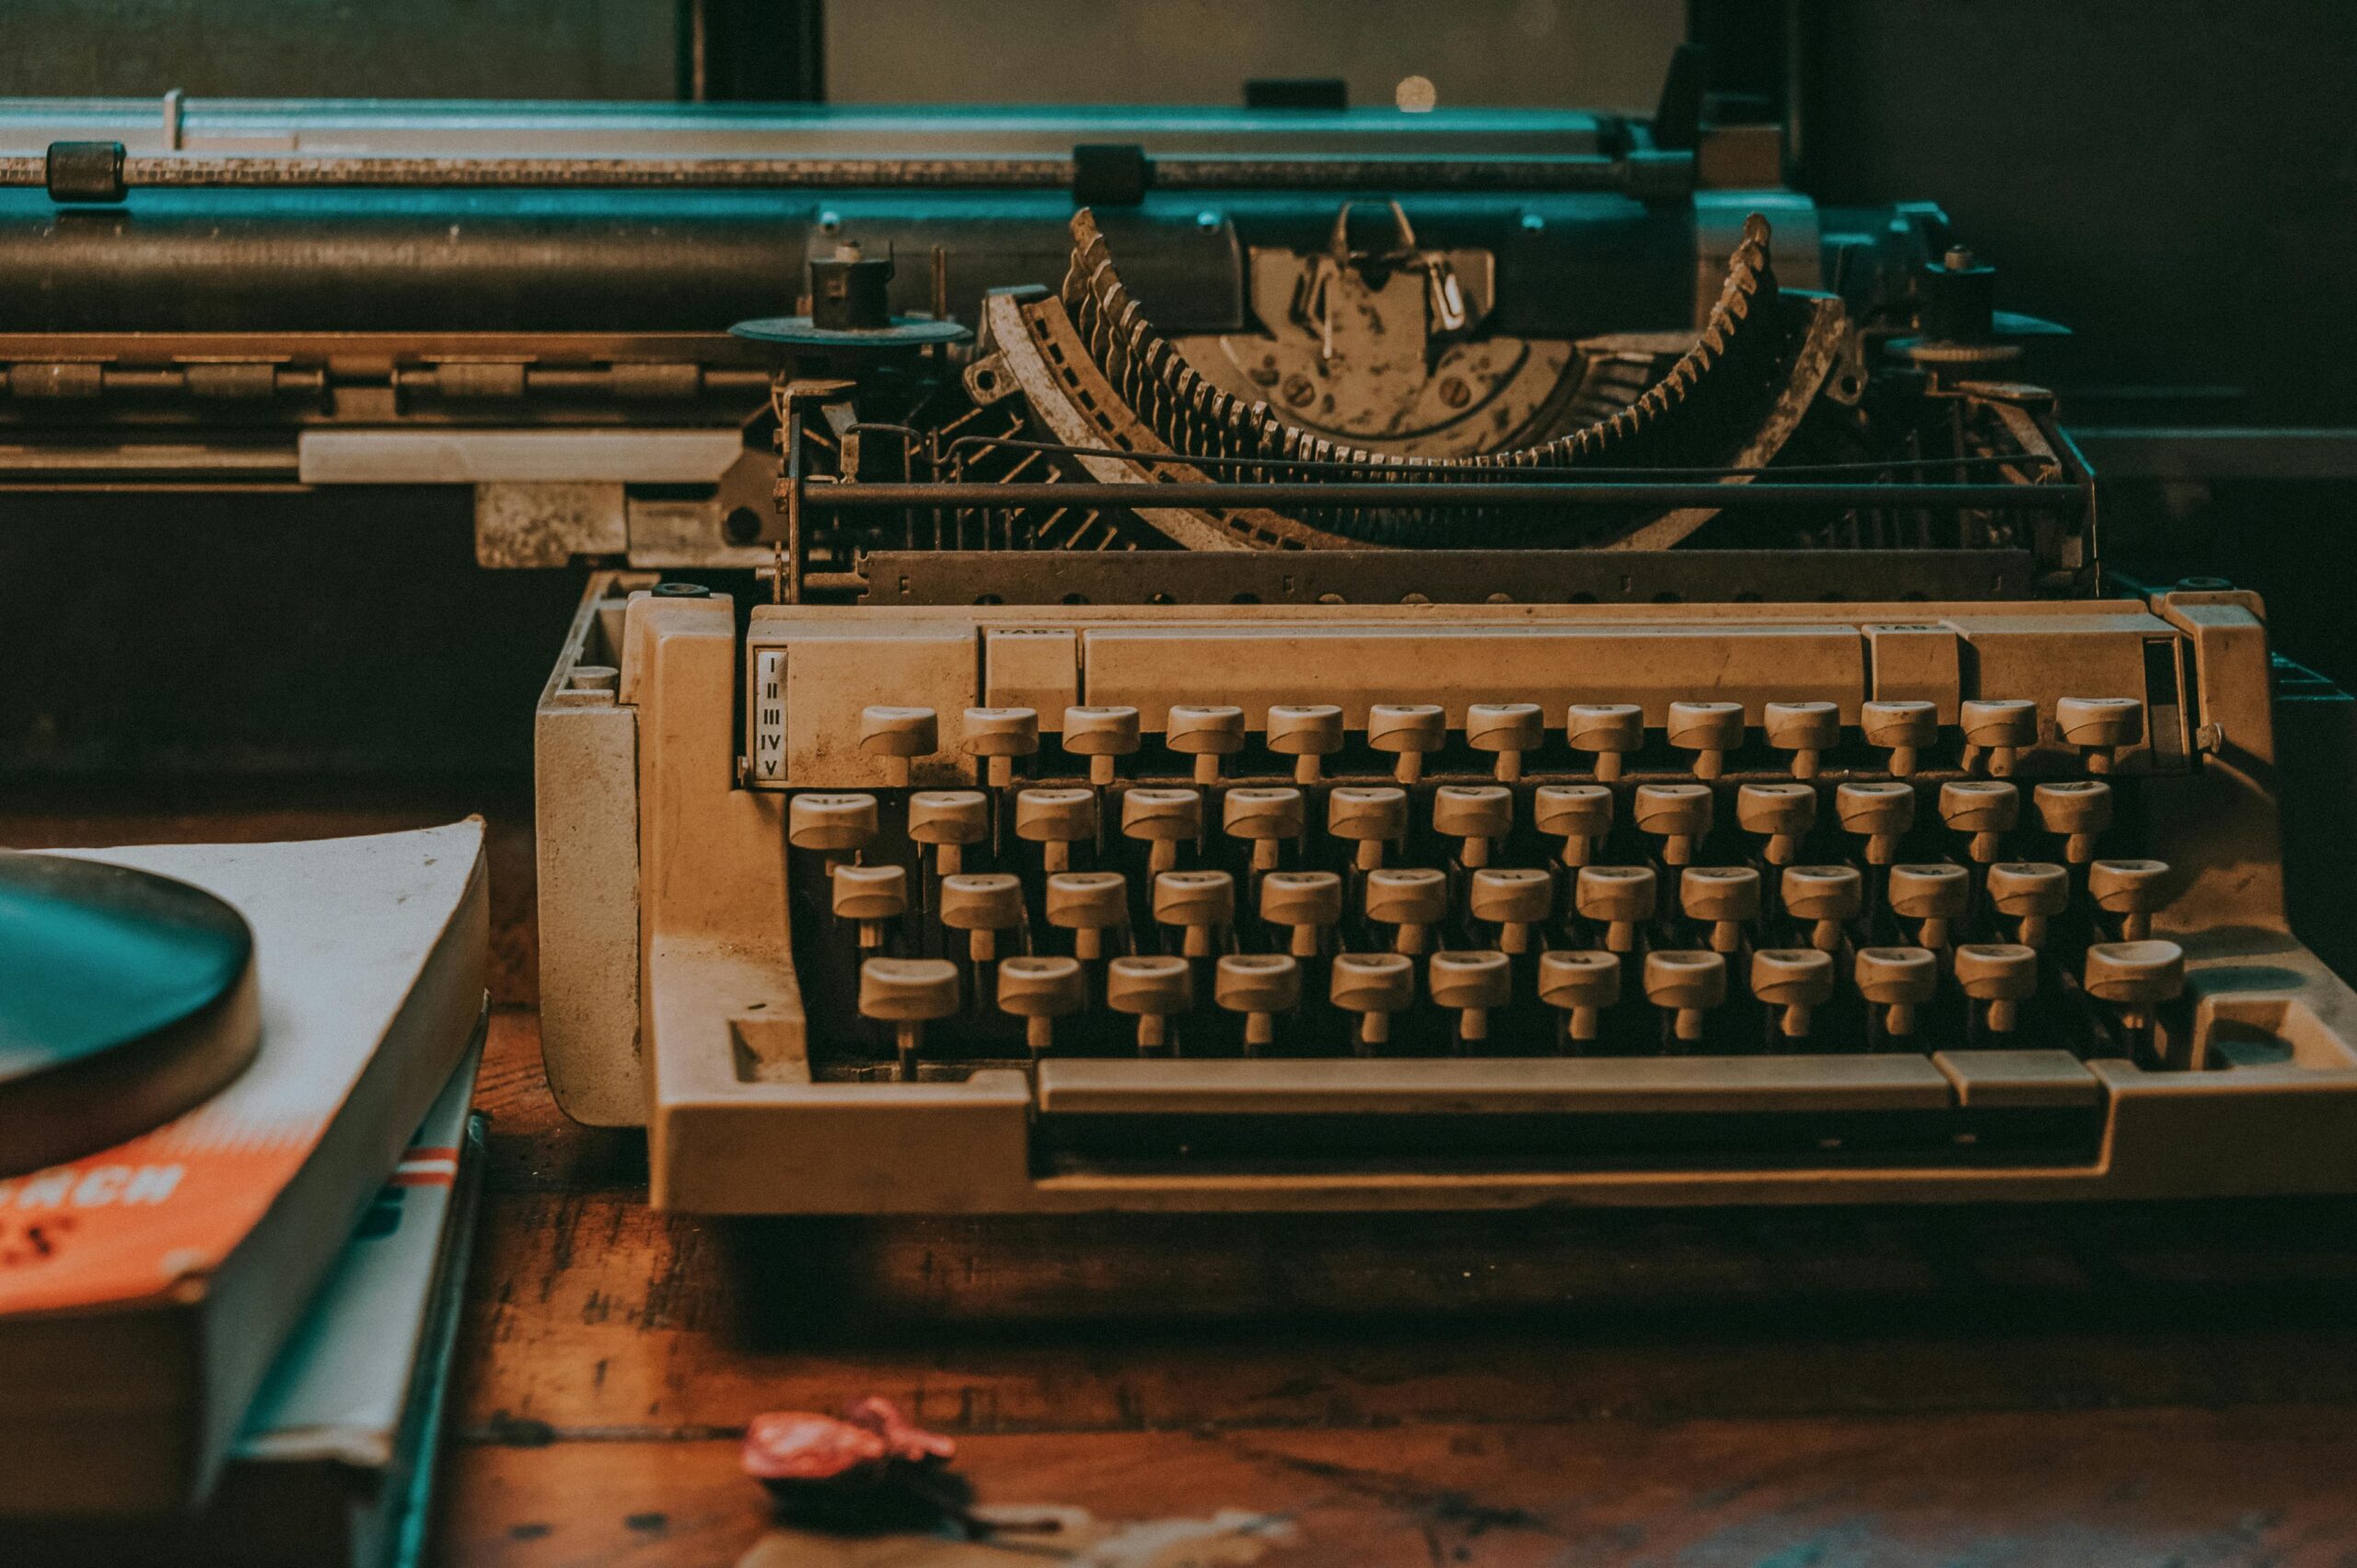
[[862, 1447]]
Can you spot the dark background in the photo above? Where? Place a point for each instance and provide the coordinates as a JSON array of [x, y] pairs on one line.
[[2176, 180]]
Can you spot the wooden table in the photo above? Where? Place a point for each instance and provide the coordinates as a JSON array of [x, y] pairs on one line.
[[1985, 1387]]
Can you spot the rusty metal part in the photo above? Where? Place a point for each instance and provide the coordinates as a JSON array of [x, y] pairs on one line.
[[1096, 374]]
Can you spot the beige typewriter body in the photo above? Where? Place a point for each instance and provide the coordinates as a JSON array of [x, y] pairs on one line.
[[1648, 970]]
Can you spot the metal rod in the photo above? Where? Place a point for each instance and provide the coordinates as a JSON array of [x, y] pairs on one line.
[[1567, 171], [1410, 493]]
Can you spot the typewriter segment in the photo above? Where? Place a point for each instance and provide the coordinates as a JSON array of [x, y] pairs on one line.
[[1213, 906]]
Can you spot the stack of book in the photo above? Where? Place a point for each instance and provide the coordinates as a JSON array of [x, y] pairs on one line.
[[226, 1339]]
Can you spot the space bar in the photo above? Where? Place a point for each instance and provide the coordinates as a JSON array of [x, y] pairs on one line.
[[1490, 1086]]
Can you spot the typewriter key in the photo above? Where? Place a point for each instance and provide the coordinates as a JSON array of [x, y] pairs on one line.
[[1904, 729], [1678, 814], [1797, 981], [1996, 731], [2132, 889], [1308, 733], [1581, 985], [1784, 813], [1808, 730], [1619, 897], [1686, 984], [1413, 898], [1580, 815], [1150, 990], [2079, 810], [2101, 727], [1898, 980], [899, 735], [1725, 896], [908, 993], [1260, 987], [2135, 977], [1509, 730], [2000, 975], [2030, 893], [1474, 985], [1612, 730]]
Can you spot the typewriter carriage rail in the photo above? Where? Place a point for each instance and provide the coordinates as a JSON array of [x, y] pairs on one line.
[[674, 945]]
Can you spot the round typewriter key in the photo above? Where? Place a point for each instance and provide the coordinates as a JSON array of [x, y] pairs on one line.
[[1898, 980], [1477, 815], [1827, 896], [1727, 896], [1709, 730], [1612, 730], [1040, 991], [1408, 730], [1374, 986], [1808, 730], [1677, 814], [1370, 816], [947, 819], [1986, 810], [2133, 889], [1150, 990], [830, 822], [1581, 985], [1260, 987], [1516, 901], [898, 736], [2001, 974], [1206, 733], [2101, 727], [1686, 984], [908, 993], [1307, 732], [1163, 818], [870, 895], [2030, 893], [1935, 895], [1101, 731], [1784, 813], [1201, 902], [1270, 818], [1413, 898], [1472, 985], [1879, 813], [1307, 902], [2135, 977], [1055, 819], [1996, 731], [1796, 979], [1906, 730], [1088, 904], [982, 905], [999, 736], [1619, 897], [1509, 730], [2079, 810], [1580, 815]]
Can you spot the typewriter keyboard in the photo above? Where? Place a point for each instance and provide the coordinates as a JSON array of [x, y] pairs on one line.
[[1518, 882]]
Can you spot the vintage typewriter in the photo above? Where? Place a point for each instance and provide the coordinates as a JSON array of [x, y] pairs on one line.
[[1185, 774]]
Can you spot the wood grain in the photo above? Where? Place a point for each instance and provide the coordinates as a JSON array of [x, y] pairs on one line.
[[1910, 1387], [2073, 1489]]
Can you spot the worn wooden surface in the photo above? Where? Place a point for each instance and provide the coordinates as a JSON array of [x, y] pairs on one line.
[[2157, 1384], [2011, 1387]]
